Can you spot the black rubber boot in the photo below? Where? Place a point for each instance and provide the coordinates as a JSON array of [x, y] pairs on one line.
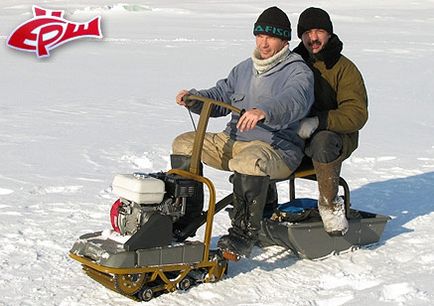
[[272, 200], [194, 205], [250, 194]]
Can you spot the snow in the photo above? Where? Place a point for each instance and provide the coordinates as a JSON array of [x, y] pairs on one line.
[[96, 108]]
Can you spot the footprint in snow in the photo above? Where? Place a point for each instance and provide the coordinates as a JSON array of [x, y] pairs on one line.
[[55, 189], [63, 189], [142, 162], [4, 191], [400, 292]]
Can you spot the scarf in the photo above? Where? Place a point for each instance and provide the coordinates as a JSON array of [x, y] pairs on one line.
[[264, 65]]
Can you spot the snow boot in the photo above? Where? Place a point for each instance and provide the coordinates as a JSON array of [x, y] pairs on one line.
[[194, 205], [331, 207], [249, 197]]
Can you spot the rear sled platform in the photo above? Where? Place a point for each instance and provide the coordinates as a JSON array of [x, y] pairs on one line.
[[303, 231], [307, 239]]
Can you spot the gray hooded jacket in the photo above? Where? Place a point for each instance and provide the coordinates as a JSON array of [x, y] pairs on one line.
[[285, 93]]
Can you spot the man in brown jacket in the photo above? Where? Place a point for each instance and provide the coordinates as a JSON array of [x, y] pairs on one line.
[[339, 112]]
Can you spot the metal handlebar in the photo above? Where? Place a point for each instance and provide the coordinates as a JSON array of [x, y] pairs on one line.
[[191, 98], [202, 125]]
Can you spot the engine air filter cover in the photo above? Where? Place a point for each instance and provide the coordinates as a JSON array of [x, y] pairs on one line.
[[139, 188]]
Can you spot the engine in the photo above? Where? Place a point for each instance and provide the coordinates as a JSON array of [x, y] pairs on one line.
[[144, 196]]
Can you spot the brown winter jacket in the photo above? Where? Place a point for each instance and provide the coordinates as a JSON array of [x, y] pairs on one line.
[[340, 96]]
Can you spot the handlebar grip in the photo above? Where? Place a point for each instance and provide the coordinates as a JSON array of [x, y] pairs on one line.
[[188, 101]]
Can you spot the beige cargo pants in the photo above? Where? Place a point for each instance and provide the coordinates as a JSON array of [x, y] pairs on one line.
[[220, 152]]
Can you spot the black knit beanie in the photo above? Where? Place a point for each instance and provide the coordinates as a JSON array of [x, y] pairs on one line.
[[314, 18], [273, 22]]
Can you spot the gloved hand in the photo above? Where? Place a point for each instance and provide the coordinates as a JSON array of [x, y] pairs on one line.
[[307, 127]]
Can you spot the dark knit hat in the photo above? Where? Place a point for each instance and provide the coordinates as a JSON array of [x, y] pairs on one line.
[[273, 22], [314, 18]]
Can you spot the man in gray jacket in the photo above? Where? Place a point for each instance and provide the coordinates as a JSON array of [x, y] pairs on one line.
[[275, 87]]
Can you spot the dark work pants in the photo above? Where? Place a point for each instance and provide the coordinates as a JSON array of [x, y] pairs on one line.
[[324, 146]]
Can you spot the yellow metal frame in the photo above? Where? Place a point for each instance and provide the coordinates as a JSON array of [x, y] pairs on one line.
[[211, 206]]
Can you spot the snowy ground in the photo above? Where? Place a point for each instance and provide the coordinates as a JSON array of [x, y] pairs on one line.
[[96, 108]]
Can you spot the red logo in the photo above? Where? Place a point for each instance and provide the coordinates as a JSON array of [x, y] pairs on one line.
[[48, 30]]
